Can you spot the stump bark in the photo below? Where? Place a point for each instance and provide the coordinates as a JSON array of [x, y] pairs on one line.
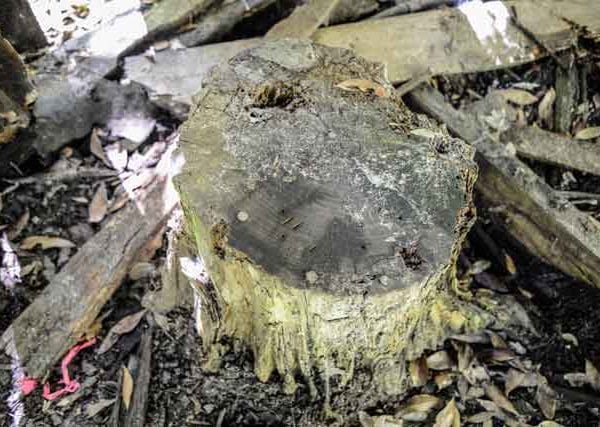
[[329, 220]]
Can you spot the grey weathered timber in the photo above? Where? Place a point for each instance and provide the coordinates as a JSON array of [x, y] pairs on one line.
[[329, 220], [548, 226], [66, 308], [432, 42]]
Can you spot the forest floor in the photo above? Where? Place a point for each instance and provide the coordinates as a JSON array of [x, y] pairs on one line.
[[524, 377]]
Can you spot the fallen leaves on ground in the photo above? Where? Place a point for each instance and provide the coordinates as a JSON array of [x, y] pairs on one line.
[[546, 398], [99, 204], [419, 373], [418, 407], [46, 242], [448, 417], [96, 147], [440, 361], [500, 399], [127, 389], [588, 133], [123, 326], [363, 85], [19, 226], [546, 106], [517, 96]]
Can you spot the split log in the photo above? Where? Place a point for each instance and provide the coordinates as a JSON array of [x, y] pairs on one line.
[[330, 232], [66, 308], [433, 42], [20, 27], [550, 228]]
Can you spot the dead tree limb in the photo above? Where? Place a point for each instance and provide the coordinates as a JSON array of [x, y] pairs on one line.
[[550, 228], [61, 314]]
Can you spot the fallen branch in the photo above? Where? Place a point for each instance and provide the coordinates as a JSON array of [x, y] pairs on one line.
[[537, 144], [137, 414], [550, 228], [63, 312]]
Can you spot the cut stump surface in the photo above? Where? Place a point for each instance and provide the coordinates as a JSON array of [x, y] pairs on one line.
[[329, 219]]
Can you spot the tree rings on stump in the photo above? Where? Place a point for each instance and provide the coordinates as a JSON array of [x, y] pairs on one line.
[[328, 215]]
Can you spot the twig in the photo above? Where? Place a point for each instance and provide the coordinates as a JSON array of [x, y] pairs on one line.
[[412, 84], [66, 175]]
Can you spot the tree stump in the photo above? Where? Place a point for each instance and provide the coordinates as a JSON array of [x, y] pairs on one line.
[[328, 219], [16, 92]]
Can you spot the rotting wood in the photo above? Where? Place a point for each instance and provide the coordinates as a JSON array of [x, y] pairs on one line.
[[139, 403], [548, 147], [551, 228], [218, 21], [20, 27], [304, 20], [66, 308], [437, 42], [411, 6], [16, 92], [330, 233], [567, 94]]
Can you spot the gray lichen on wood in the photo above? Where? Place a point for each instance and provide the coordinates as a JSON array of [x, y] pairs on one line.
[[329, 230]]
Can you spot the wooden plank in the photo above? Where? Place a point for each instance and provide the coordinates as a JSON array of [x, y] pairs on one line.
[[550, 228], [437, 42], [66, 308], [304, 20], [537, 144]]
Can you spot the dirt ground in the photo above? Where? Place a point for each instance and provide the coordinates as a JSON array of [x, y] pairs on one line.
[[564, 313]]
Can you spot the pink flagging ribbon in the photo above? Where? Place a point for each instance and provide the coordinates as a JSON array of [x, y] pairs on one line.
[[70, 385]]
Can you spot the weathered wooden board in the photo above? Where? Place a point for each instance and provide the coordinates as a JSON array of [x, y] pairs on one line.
[[66, 308], [548, 147], [437, 42], [550, 228], [304, 20]]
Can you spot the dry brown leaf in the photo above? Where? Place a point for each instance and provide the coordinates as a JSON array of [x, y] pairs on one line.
[[127, 389], [488, 405], [46, 242], [478, 266], [517, 96], [419, 404], [546, 399], [500, 399], [123, 326], [510, 264], [592, 375], [465, 356], [514, 379], [588, 133], [363, 85], [570, 338], [99, 205], [549, 423], [118, 202], [96, 147], [443, 380], [440, 361], [480, 417], [448, 417], [496, 340], [546, 107], [419, 373], [18, 227]]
